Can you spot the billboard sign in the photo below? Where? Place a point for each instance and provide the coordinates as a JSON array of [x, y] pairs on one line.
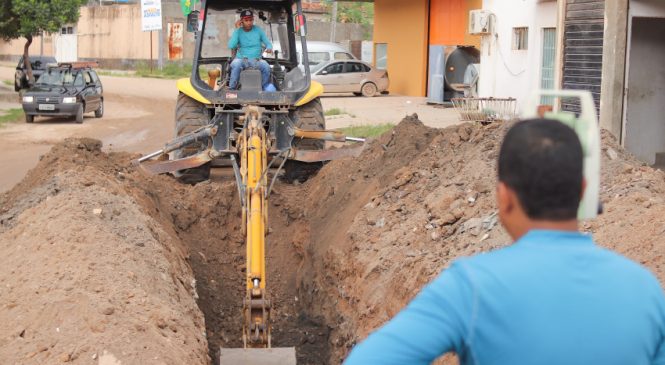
[[151, 15]]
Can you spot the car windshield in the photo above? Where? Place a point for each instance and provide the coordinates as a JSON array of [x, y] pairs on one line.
[[58, 77], [38, 62]]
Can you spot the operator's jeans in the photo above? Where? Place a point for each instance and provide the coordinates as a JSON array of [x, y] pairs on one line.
[[240, 64]]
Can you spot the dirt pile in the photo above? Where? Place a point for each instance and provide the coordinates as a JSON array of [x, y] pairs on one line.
[[385, 224], [99, 262], [88, 274]]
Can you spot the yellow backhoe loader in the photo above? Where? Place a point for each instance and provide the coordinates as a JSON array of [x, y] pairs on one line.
[[280, 129]]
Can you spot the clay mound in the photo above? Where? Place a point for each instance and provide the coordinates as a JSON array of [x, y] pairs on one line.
[[387, 223], [88, 274]]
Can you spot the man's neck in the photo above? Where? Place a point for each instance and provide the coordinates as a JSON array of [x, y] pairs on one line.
[[571, 225], [247, 29]]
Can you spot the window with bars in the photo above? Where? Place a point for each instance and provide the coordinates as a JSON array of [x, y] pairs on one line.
[[547, 65], [520, 38]]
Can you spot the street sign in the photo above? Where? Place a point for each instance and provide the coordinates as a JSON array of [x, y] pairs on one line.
[[151, 15]]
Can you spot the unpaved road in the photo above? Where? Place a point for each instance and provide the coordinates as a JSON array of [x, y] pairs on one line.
[[139, 118]]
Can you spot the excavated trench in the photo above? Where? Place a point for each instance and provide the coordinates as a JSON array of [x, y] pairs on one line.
[[208, 222], [138, 268]]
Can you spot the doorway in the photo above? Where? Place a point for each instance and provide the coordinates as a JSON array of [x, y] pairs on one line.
[[66, 44], [644, 116]]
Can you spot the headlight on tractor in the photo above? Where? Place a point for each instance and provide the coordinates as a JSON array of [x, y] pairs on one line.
[[69, 100], [28, 99]]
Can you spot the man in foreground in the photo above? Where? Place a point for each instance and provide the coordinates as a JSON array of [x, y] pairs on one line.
[[249, 41], [553, 297]]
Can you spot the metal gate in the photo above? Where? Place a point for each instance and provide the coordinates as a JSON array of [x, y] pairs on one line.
[[583, 49]]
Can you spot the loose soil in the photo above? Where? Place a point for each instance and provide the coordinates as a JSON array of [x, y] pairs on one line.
[[101, 263]]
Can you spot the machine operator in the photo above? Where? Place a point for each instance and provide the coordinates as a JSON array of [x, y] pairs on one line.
[[249, 41]]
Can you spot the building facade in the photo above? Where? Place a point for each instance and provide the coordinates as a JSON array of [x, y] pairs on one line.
[[404, 31]]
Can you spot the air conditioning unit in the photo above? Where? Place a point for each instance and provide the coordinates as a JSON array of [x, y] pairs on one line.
[[481, 22]]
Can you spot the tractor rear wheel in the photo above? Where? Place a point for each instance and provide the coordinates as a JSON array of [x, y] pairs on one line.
[[310, 117], [189, 116]]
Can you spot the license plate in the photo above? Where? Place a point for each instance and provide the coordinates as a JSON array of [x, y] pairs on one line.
[[46, 107]]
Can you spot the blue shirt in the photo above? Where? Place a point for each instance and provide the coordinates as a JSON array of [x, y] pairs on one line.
[[250, 43], [553, 297]]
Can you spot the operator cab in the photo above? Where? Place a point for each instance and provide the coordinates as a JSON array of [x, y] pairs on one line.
[[211, 71]]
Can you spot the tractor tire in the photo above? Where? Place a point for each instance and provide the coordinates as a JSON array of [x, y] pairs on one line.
[[189, 116], [308, 116]]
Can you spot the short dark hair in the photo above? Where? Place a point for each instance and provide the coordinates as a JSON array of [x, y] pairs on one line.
[[542, 161]]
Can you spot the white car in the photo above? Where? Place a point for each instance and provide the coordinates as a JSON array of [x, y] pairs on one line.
[[351, 76]]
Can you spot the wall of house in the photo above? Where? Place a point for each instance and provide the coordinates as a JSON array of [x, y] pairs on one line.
[[114, 32], [505, 72], [449, 22], [403, 26], [14, 49]]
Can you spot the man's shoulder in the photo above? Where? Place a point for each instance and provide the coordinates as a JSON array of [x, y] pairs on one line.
[[516, 258]]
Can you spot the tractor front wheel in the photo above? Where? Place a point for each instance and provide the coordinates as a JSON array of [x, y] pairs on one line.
[[309, 117], [189, 116]]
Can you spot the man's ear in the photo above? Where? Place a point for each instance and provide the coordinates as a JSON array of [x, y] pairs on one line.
[[504, 198], [584, 184]]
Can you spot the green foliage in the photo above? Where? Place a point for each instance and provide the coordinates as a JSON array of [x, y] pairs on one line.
[[352, 12], [367, 130], [169, 71], [11, 115], [334, 111], [26, 18]]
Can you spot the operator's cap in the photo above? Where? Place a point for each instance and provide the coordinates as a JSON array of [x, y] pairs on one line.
[[246, 14]]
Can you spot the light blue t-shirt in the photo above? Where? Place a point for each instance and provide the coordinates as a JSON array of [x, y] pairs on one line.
[[551, 298], [250, 42]]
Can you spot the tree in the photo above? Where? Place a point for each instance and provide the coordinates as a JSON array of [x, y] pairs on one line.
[[352, 12], [28, 18]]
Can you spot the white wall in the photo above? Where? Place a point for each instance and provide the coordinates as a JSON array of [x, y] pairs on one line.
[[505, 72], [647, 8]]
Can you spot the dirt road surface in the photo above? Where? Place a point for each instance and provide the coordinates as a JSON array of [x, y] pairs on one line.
[[139, 118]]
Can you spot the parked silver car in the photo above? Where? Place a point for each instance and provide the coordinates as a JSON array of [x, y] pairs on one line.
[[351, 76]]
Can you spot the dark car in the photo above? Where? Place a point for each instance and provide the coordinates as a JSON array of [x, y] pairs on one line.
[[65, 90], [38, 63]]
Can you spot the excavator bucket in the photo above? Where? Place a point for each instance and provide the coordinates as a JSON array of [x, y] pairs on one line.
[[271, 356]]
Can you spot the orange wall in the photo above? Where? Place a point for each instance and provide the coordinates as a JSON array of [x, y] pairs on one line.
[[449, 22], [403, 26]]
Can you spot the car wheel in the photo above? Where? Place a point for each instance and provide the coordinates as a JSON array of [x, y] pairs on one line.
[[29, 118], [100, 111], [369, 90], [79, 114]]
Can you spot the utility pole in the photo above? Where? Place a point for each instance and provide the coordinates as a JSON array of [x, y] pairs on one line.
[[334, 21], [160, 50]]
